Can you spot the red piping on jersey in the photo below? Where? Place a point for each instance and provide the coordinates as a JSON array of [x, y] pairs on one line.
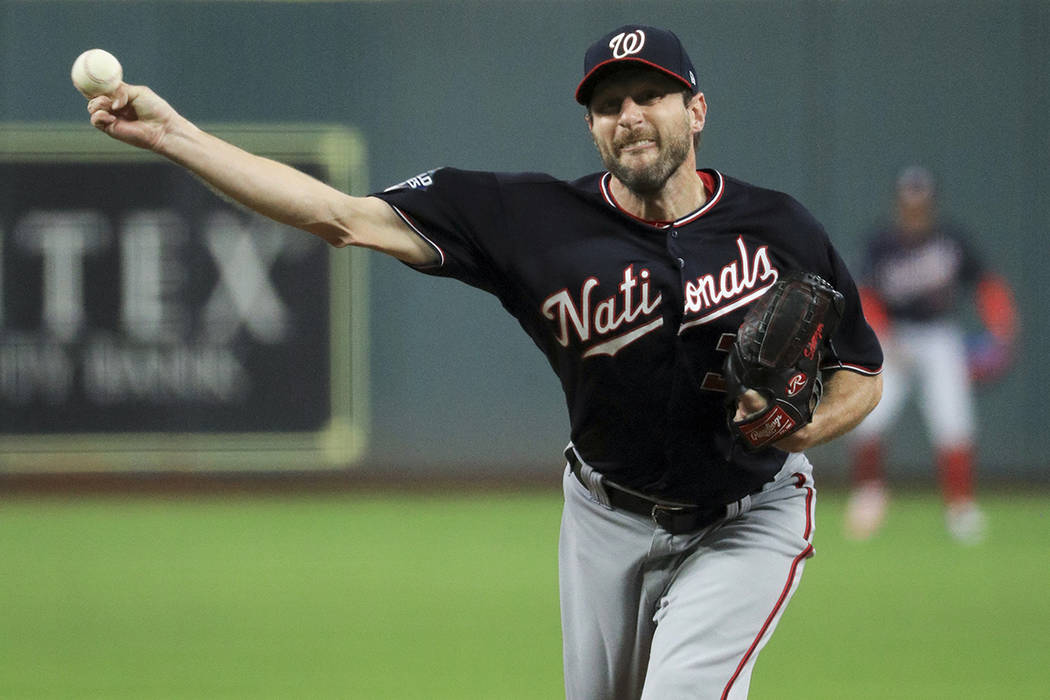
[[800, 480], [714, 185], [786, 591]]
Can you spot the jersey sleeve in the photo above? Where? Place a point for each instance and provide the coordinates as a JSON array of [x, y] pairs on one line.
[[854, 346], [456, 212]]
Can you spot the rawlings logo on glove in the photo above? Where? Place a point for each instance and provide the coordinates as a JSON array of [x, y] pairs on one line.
[[777, 353]]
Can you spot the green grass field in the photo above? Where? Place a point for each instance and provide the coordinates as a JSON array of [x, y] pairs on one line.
[[455, 596]]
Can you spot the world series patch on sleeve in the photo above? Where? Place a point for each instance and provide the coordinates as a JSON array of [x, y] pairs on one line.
[[777, 352]]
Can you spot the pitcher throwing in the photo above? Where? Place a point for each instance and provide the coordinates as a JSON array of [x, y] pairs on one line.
[[679, 546]]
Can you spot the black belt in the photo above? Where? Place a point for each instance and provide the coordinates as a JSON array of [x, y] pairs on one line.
[[676, 518]]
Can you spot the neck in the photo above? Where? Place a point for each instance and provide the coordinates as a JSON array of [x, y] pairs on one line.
[[683, 193], [915, 222]]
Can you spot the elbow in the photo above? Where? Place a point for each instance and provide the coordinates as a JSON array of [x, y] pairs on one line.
[[333, 234], [339, 241], [875, 393], [332, 220]]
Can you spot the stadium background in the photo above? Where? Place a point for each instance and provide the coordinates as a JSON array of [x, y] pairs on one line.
[[819, 98], [825, 100]]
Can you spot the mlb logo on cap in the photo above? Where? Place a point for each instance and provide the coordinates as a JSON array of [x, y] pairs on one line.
[[657, 48]]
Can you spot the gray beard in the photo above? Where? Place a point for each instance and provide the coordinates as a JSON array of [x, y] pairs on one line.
[[651, 178]]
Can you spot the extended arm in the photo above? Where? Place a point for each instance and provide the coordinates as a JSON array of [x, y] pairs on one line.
[[137, 116]]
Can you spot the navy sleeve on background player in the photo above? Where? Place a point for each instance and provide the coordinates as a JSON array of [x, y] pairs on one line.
[[972, 267]]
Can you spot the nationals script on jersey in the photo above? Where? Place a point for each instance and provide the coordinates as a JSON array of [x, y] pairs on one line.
[[635, 317]]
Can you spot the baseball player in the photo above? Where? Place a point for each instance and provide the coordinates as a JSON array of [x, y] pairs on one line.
[[680, 547], [918, 269]]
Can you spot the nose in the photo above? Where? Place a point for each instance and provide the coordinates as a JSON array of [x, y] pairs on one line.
[[630, 112]]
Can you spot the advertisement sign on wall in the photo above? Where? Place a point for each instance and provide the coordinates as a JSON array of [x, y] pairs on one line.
[[148, 323]]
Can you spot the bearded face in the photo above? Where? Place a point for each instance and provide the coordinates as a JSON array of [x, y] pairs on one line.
[[644, 158], [641, 126]]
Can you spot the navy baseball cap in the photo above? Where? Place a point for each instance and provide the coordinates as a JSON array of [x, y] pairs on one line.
[[649, 46]]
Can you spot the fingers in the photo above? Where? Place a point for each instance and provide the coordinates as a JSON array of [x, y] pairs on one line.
[[104, 108], [123, 95], [100, 103], [133, 114], [101, 119], [748, 404], [116, 100], [100, 109]]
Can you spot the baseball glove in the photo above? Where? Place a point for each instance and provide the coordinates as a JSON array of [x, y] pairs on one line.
[[777, 352]]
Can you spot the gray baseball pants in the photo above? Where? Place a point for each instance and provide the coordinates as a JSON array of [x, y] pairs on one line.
[[650, 615]]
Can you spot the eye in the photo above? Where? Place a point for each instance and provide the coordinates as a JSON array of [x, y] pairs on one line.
[[650, 97], [606, 107]]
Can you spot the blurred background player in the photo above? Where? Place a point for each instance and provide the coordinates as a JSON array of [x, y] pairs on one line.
[[918, 271]]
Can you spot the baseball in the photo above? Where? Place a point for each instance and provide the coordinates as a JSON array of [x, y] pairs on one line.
[[96, 72]]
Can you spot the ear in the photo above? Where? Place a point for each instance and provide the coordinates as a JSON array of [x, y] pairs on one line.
[[698, 111]]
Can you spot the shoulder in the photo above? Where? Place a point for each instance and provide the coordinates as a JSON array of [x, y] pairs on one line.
[[445, 179], [775, 217], [739, 186], [957, 231], [882, 236], [527, 185], [763, 200]]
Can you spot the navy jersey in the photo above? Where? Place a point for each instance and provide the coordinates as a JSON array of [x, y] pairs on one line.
[[634, 317], [922, 279]]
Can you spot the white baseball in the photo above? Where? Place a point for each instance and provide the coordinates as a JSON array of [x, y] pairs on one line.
[[96, 72]]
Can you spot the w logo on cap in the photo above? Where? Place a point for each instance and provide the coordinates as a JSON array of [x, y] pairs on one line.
[[627, 43], [655, 48]]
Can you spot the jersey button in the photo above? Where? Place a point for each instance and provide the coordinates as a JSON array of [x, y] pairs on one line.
[[681, 263], [674, 234]]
